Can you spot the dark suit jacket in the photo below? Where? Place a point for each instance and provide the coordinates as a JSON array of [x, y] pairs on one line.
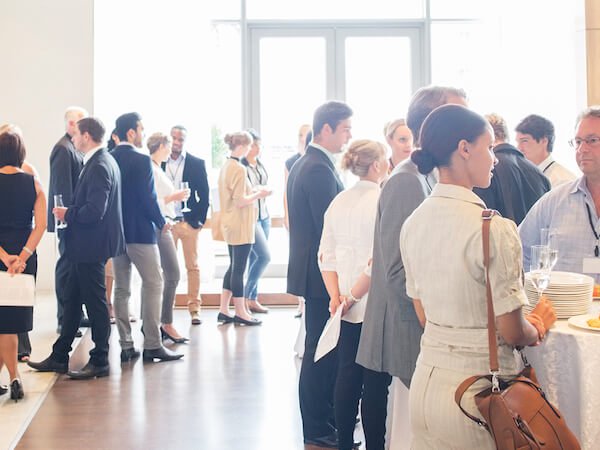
[[95, 225], [516, 185], [141, 213], [65, 165], [194, 172], [312, 185]]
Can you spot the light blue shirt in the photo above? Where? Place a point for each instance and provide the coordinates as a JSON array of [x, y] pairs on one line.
[[174, 170], [563, 210]]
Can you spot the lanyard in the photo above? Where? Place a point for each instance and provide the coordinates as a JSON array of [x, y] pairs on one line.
[[596, 249]]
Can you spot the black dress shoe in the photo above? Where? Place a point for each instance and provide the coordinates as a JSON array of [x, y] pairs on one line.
[[129, 354], [224, 318], [49, 365], [165, 335], [162, 354], [16, 390], [248, 323], [89, 371]]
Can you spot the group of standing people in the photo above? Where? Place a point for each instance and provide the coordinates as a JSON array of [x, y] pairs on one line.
[[414, 299]]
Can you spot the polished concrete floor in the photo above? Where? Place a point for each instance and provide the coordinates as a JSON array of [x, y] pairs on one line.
[[235, 388]]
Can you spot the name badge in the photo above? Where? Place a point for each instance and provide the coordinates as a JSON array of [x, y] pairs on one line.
[[591, 265]]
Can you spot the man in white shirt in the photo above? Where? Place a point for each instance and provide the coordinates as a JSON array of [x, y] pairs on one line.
[[535, 139]]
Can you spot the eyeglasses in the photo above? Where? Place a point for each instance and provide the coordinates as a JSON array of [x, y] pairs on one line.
[[592, 141]]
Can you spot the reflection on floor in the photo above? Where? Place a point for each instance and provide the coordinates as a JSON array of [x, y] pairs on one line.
[[235, 388]]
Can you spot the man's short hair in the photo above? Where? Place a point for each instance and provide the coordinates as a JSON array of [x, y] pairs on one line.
[[425, 100], [592, 111], [126, 122], [499, 126], [538, 127], [75, 113], [330, 113], [180, 128], [12, 149], [93, 126]]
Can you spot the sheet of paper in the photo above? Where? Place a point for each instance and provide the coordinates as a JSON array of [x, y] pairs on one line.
[[331, 334], [17, 290]]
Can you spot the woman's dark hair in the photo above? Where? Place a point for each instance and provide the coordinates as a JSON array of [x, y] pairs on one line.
[[441, 132], [12, 149]]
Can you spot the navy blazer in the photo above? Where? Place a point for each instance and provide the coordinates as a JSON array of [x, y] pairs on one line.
[[194, 172], [141, 213], [312, 185], [94, 230], [65, 165]]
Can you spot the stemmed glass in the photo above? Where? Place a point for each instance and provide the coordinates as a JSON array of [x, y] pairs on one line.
[[185, 185], [540, 268]]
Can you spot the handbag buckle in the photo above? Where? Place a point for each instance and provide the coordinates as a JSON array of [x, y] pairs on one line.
[[495, 381]]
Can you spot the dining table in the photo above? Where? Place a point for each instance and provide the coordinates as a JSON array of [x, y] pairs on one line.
[[567, 365]]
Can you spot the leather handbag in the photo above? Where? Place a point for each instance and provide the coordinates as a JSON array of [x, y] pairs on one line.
[[516, 411]]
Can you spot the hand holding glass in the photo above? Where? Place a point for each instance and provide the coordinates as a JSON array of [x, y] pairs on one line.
[[185, 185], [58, 202]]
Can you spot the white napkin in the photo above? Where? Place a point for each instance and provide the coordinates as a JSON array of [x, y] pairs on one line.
[[17, 290], [330, 335]]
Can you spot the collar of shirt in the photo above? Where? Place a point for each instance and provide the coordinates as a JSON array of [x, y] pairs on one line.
[[89, 154], [546, 163], [179, 159], [324, 150], [456, 192], [366, 185]]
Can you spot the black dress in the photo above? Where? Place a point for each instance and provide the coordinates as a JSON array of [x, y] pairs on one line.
[[17, 197]]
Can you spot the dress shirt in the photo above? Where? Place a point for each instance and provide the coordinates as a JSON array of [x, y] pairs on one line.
[[347, 240], [327, 152], [556, 173], [87, 156], [443, 259], [164, 187], [563, 211], [174, 170]]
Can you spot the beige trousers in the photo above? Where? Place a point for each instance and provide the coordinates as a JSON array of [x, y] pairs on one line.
[[188, 236]]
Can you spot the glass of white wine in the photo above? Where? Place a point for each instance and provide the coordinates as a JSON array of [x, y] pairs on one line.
[[541, 267], [185, 185]]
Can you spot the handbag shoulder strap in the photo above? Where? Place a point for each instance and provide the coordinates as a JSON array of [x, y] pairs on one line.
[[487, 215]]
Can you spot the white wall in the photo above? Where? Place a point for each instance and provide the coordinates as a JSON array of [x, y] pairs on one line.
[[46, 65]]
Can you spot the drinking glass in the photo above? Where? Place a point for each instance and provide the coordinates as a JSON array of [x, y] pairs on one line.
[[185, 185], [540, 268], [58, 202]]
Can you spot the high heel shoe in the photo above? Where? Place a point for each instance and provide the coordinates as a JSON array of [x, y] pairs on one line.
[[16, 390], [3, 389], [165, 335], [224, 318]]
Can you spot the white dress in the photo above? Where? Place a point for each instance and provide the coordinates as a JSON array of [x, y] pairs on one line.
[[442, 252]]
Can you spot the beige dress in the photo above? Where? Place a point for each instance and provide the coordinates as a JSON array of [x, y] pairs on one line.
[[237, 224], [442, 252]]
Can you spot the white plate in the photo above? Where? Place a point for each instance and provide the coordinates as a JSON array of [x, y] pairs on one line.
[[581, 321], [566, 279]]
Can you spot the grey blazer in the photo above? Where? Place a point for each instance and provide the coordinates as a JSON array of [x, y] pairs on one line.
[[391, 334]]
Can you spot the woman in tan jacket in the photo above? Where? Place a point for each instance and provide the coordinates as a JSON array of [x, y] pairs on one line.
[[238, 218]]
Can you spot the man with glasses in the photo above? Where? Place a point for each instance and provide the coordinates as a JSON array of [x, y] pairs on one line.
[[570, 211]]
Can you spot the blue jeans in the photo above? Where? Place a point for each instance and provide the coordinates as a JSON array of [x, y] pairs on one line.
[[259, 257]]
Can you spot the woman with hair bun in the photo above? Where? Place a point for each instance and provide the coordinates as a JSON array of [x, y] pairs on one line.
[[238, 218], [441, 246], [344, 259]]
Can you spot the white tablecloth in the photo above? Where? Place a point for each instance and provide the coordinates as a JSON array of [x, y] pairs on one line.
[[567, 366]]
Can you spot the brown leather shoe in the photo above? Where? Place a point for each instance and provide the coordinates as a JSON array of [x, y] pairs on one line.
[[256, 307]]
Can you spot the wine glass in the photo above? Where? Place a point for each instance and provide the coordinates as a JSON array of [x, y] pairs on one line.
[[58, 203], [185, 185], [540, 268]]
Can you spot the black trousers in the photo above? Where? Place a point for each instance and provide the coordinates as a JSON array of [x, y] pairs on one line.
[[348, 384], [373, 408], [317, 380], [85, 285], [233, 280], [61, 273]]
